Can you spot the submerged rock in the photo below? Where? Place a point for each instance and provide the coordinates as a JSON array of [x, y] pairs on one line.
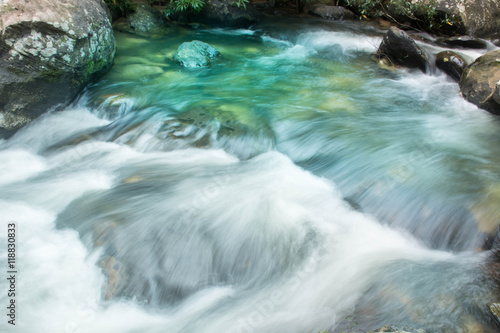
[[495, 312], [195, 54], [401, 49], [146, 19], [331, 12], [227, 14], [49, 54], [397, 329], [480, 82], [451, 63]]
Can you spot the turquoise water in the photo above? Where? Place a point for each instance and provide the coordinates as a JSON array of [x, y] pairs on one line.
[[294, 183]]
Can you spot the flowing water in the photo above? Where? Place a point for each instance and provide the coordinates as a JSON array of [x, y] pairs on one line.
[[293, 184]]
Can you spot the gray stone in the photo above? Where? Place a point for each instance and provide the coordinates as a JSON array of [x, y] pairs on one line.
[[451, 63], [195, 54], [481, 18], [401, 49], [480, 82], [397, 329], [146, 19], [331, 12], [50, 50], [227, 14]]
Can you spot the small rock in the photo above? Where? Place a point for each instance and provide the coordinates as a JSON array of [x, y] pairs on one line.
[[451, 63], [480, 82], [195, 54], [402, 50], [495, 311], [463, 42], [331, 12]]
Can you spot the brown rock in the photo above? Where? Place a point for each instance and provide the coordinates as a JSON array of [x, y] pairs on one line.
[[480, 82]]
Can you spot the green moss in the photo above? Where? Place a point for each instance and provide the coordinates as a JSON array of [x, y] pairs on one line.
[[52, 74]]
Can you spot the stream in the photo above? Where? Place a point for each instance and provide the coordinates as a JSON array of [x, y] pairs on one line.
[[294, 186]]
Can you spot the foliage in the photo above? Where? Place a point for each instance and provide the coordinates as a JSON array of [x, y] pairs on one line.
[[240, 3], [177, 6]]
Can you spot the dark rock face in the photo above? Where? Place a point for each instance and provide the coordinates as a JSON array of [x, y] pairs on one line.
[[146, 19], [195, 54], [49, 51], [225, 13], [480, 82], [481, 18], [451, 63], [464, 42], [401, 49], [331, 12]]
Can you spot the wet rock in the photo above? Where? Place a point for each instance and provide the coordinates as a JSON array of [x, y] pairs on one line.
[[463, 42], [195, 54], [397, 329], [480, 82], [495, 312], [451, 63], [49, 53], [401, 49], [332, 12], [486, 211], [227, 14], [146, 19]]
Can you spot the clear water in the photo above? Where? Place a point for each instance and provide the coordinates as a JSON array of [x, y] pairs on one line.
[[292, 184]]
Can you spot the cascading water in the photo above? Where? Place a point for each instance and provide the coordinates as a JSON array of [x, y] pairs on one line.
[[289, 186]]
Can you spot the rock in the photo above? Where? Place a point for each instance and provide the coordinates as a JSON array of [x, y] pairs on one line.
[[481, 18], [263, 4], [227, 14], [464, 42], [331, 12], [50, 50], [146, 19], [480, 82], [402, 50], [451, 63], [195, 54], [396, 329], [495, 311]]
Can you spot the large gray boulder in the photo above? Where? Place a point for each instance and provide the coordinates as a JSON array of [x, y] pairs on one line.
[[226, 13], [480, 18], [195, 54], [49, 51], [480, 82], [401, 49]]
